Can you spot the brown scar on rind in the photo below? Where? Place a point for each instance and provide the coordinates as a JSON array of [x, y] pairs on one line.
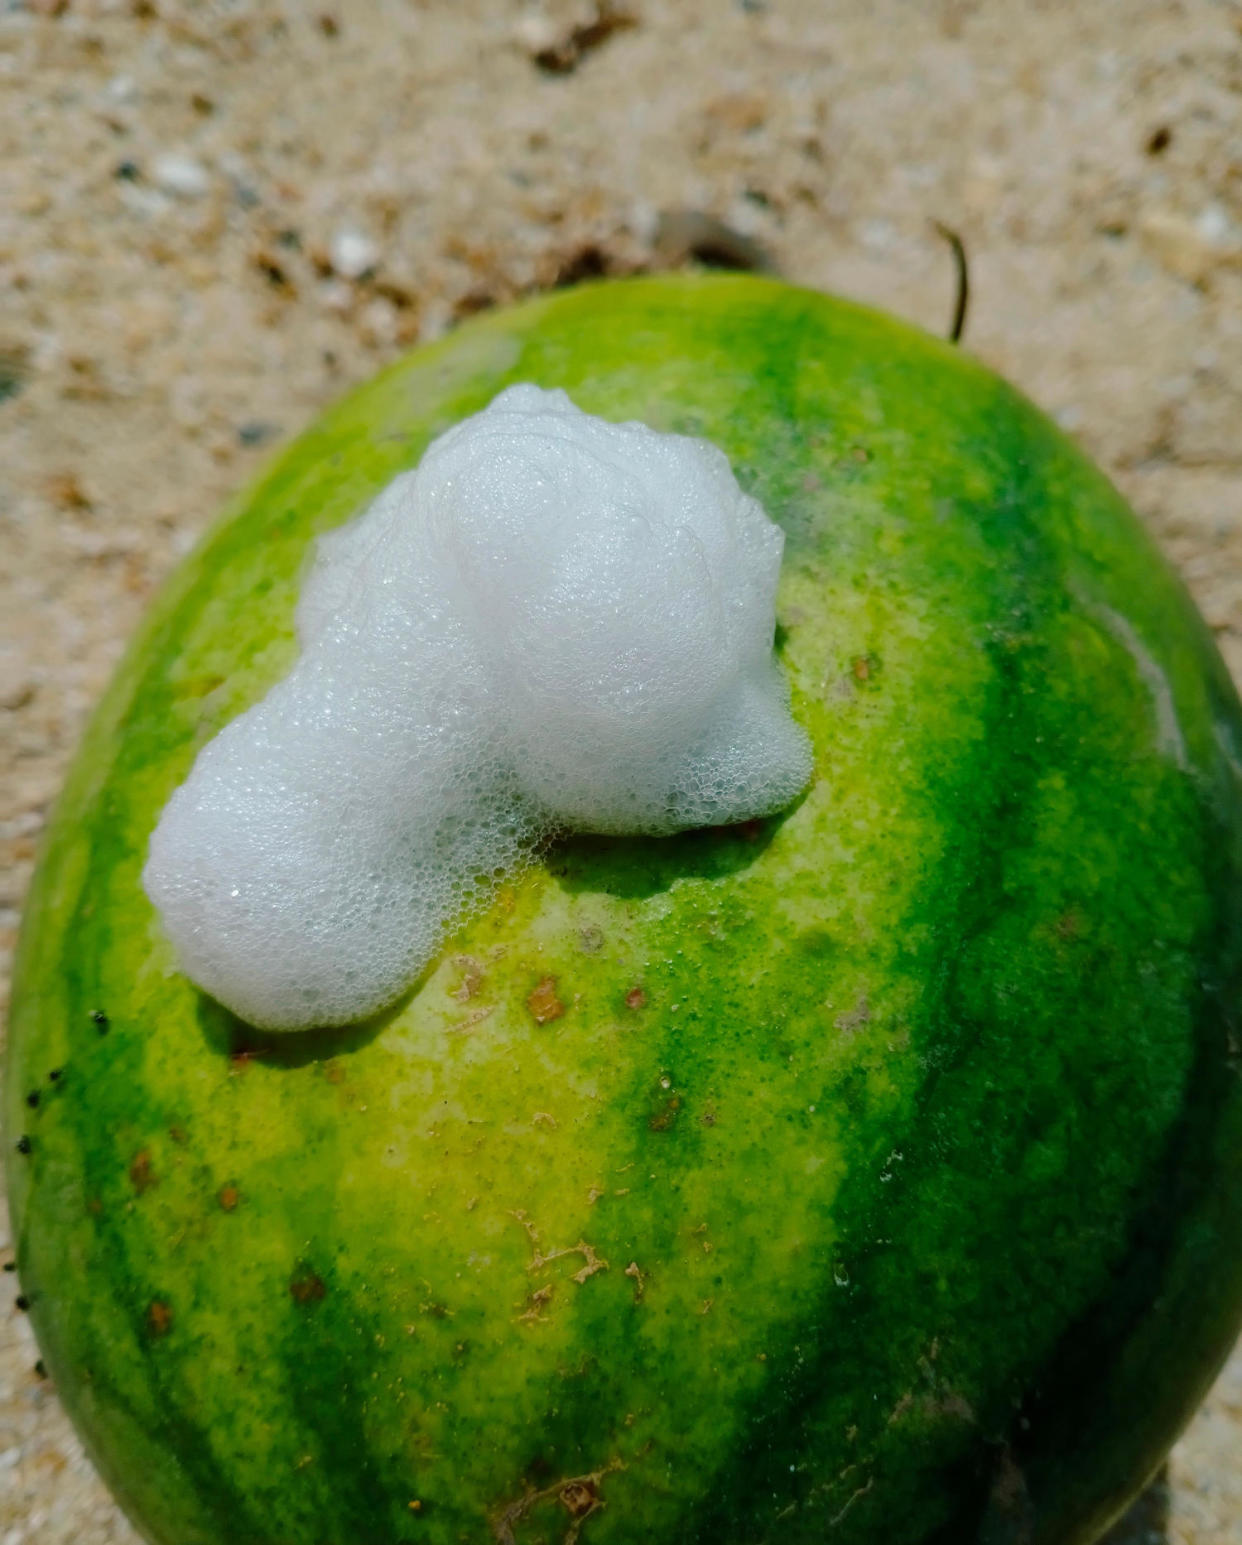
[[858, 1016], [539, 1259], [579, 1495], [854, 1497], [471, 971], [468, 1021], [537, 1303]]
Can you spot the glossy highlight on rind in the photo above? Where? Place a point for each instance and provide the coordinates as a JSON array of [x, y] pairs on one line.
[[866, 1172]]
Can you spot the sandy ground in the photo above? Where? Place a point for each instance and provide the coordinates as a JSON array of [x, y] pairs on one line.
[[216, 216]]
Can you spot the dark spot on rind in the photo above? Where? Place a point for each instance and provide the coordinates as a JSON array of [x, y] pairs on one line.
[[140, 1173], [100, 1020], [32, 1099], [23, 1144], [1159, 140], [55, 1075], [159, 1317], [307, 1287], [21, 1302], [40, 1369], [664, 1118], [635, 998], [228, 1198]]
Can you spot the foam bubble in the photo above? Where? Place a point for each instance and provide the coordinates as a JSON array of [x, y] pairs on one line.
[[553, 623]]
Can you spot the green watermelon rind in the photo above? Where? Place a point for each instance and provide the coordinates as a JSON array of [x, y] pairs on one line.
[[907, 1124]]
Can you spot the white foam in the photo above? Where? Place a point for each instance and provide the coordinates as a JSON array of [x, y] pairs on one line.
[[552, 623]]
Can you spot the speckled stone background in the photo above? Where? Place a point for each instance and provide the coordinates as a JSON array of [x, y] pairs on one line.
[[216, 216]]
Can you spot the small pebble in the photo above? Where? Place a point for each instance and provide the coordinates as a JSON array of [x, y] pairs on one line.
[[256, 432], [180, 175], [352, 254]]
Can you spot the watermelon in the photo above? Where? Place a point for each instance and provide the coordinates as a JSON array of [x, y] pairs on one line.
[[865, 1173]]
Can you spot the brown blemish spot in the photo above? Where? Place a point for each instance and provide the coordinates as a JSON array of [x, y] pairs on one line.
[[228, 1197], [159, 1318], [543, 1118], [307, 1287], [140, 1173], [633, 1271], [334, 1071], [708, 1118], [1069, 926], [178, 1134], [853, 1021], [579, 1495], [635, 999], [861, 667], [241, 1059], [590, 939], [593, 1194], [706, 1306], [543, 1002]]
